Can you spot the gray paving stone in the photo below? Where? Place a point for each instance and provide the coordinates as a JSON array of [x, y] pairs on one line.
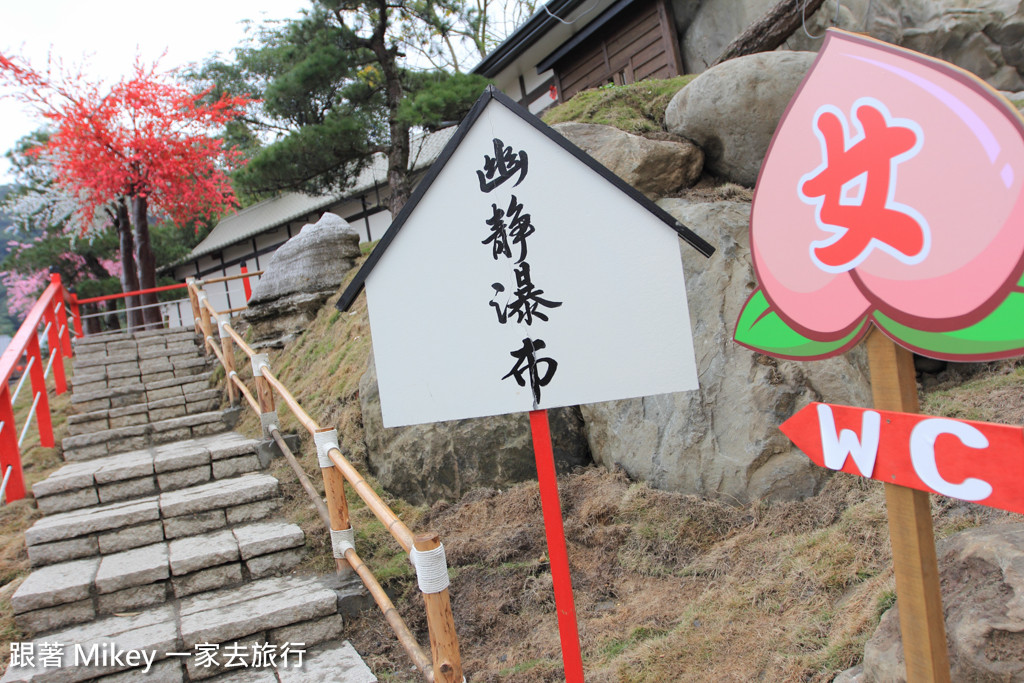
[[167, 671], [127, 410], [85, 427], [149, 630], [128, 489], [94, 386], [189, 364], [62, 551], [167, 402], [55, 585], [124, 371], [70, 477], [267, 537], [228, 445], [131, 599], [149, 377], [310, 632], [136, 394], [173, 435], [180, 479], [180, 456], [274, 563], [182, 346], [200, 384], [122, 466], [187, 421], [271, 603], [158, 414], [88, 417], [43, 620], [339, 663], [207, 579], [83, 522], [129, 420], [159, 394], [203, 406], [251, 512], [199, 552], [232, 467], [155, 365], [90, 405], [232, 660], [132, 537], [148, 352], [98, 450], [131, 568], [248, 676], [218, 494], [183, 381], [105, 436], [126, 381], [208, 428], [67, 501], [191, 525]]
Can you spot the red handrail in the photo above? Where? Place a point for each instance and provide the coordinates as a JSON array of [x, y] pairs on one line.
[[48, 309]]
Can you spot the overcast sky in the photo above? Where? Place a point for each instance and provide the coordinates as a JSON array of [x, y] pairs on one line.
[[107, 34]]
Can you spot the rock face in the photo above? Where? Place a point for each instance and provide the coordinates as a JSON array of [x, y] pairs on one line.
[[444, 460], [723, 440], [732, 110], [300, 277], [658, 168], [981, 572], [982, 36]]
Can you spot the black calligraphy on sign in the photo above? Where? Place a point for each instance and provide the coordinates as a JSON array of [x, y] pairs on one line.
[[527, 363], [518, 228], [526, 300], [511, 226], [503, 165]]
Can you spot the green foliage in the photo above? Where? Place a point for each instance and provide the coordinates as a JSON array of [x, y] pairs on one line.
[[635, 108], [442, 100]]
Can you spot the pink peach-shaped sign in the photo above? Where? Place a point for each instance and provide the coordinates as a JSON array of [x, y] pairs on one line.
[[891, 194]]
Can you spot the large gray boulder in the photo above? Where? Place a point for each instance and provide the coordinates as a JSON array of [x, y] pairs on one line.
[[732, 110], [301, 275], [658, 168], [981, 573], [444, 460], [723, 440], [985, 37]]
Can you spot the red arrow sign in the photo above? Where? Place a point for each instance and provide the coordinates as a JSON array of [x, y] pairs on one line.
[[979, 462]]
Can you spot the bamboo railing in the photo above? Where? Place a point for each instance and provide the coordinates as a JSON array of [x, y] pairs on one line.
[[444, 665]]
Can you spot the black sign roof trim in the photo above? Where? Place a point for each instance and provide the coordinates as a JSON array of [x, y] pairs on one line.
[[492, 93]]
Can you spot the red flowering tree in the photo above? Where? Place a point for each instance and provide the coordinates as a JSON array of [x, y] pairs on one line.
[[143, 145]]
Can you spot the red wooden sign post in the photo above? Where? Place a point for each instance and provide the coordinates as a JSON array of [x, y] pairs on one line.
[[568, 632]]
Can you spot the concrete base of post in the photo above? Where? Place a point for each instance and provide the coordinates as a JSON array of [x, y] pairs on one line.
[[268, 450]]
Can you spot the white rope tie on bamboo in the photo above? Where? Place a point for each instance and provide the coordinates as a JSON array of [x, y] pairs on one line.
[[342, 540], [232, 374], [222, 322], [259, 361], [431, 569], [325, 441]]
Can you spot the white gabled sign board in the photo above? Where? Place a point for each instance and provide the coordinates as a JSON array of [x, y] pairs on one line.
[[520, 254]]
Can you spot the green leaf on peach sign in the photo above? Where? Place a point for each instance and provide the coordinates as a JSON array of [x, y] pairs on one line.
[[761, 329], [1000, 335]]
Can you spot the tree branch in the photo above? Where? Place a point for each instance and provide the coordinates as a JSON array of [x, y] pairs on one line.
[[771, 30]]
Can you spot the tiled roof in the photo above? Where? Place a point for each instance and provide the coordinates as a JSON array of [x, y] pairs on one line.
[[290, 206]]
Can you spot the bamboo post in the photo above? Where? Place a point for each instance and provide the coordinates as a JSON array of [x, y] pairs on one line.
[[444, 643], [205, 325], [227, 347], [193, 297], [922, 624]]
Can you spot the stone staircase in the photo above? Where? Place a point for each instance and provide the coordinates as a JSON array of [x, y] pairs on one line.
[[161, 540]]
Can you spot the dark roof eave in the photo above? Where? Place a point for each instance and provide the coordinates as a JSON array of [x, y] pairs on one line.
[[523, 37]]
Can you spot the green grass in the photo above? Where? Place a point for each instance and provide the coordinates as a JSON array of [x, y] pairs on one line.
[[637, 108]]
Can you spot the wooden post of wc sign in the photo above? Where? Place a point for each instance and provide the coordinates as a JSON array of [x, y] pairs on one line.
[[523, 276], [891, 198]]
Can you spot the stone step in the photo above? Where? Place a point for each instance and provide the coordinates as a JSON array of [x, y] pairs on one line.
[[112, 528], [293, 618], [136, 392], [61, 595], [148, 471], [136, 437]]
